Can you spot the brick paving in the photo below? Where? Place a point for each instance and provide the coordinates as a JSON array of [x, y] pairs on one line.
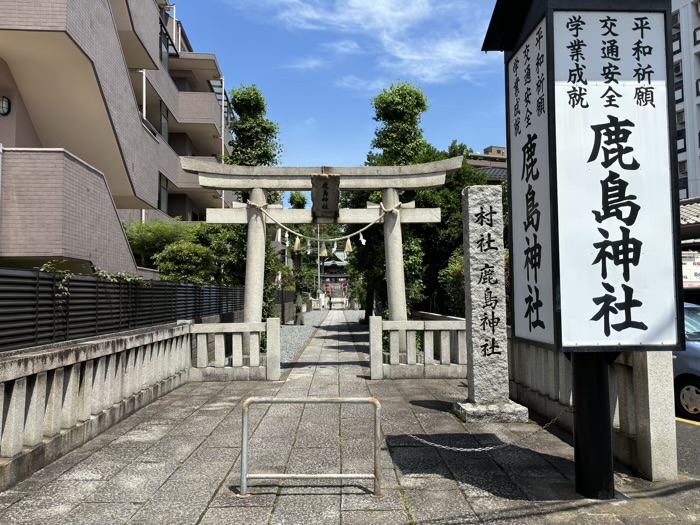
[[177, 461]]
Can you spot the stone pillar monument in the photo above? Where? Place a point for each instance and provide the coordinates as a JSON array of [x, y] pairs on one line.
[[485, 302]]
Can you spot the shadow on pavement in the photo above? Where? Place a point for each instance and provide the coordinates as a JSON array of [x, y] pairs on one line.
[[511, 473], [322, 364], [433, 404]]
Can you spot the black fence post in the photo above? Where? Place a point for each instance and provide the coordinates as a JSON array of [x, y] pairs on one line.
[[592, 425]]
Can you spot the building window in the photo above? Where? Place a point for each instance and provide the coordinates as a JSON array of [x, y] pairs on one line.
[[680, 140], [696, 36], [676, 43], [680, 118], [683, 187], [164, 114], [682, 167], [678, 86], [163, 193]]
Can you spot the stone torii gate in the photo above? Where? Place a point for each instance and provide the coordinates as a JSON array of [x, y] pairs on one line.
[[257, 180]]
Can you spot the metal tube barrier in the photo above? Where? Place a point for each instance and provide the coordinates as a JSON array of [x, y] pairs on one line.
[[315, 401]]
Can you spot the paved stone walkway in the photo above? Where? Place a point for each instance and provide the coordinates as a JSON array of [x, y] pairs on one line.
[[177, 461]]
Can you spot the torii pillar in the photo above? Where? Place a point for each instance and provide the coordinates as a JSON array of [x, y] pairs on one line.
[[255, 259], [393, 255], [257, 179]]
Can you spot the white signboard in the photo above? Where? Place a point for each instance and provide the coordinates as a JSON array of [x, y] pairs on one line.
[[531, 250], [616, 250]]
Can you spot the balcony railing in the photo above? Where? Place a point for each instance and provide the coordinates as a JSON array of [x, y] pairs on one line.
[[222, 97], [167, 47]]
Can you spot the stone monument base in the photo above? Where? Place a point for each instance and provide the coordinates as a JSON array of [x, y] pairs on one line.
[[503, 412]]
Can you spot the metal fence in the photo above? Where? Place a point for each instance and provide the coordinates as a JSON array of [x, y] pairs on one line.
[[285, 310], [284, 296], [33, 311], [376, 475]]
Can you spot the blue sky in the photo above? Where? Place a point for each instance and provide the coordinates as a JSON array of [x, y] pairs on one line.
[[320, 62]]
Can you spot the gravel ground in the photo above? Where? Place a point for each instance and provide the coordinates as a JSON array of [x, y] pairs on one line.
[[294, 337], [353, 316]]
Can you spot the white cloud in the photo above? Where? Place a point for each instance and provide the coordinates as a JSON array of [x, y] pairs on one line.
[[426, 40], [343, 15], [308, 64], [437, 59], [344, 47], [358, 84]]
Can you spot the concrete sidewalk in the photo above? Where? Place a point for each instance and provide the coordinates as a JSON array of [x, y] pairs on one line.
[[177, 461]]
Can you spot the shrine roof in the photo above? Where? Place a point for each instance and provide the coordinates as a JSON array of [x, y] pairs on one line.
[[495, 174], [505, 25], [690, 211], [690, 218]]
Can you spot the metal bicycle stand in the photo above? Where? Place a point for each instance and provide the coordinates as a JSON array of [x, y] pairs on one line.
[[245, 476]]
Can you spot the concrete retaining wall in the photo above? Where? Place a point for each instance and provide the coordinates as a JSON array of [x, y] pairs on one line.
[[58, 397], [55, 398]]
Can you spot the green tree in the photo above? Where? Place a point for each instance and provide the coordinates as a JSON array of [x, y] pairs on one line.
[[452, 281], [151, 237], [255, 137], [227, 243], [427, 247], [305, 274], [440, 241], [255, 141], [186, 262], [274, 268], [398, 141], [297, 200]]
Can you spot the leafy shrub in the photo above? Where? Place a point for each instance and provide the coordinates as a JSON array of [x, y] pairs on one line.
[[151, 237], [451, 280], [186, 262]]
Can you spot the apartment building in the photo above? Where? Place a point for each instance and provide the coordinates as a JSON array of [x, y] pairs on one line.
[[99, 99], [493, 161], [686, 72]]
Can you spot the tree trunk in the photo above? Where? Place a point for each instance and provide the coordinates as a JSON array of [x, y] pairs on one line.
[[369, 303]]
